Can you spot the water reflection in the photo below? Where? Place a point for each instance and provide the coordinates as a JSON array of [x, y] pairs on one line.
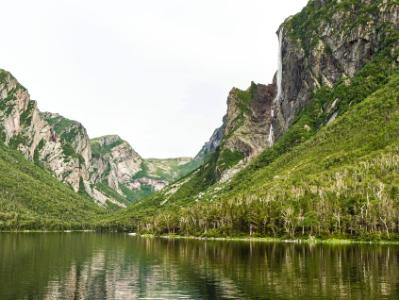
[[106, 266]]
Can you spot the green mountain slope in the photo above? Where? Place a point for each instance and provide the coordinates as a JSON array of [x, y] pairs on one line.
[[343, 180], [30, 198], [312, 181], [330, 60]]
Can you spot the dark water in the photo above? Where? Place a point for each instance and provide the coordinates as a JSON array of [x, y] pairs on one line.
[[116, 266]]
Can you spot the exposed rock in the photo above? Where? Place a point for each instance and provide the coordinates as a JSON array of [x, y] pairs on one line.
[[122, 169], [106, 168], [328, 41], [211, 146], [248, 121], [25, 129], [317, 54], [245, 131]]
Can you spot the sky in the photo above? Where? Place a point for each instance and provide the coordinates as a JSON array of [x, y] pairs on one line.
[[155, 72]]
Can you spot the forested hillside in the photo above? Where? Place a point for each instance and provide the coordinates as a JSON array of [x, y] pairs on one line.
[[31, 198], [332, 167]]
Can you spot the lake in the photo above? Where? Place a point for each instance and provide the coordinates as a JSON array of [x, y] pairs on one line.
[[118, 266]]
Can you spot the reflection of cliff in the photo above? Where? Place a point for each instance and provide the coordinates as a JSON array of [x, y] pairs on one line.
[[134, 268], [29, 261], [130, 270], [94, 266]]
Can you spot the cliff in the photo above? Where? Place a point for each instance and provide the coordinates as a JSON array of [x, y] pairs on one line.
[[107, 168], [322, 50]]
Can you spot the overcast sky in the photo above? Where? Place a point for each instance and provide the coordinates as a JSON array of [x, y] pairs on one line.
[[155, 72]]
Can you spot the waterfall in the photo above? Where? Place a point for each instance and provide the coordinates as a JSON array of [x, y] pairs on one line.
[[280, 66], [279, 80]]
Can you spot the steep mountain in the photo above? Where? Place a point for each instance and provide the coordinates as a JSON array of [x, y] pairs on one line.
[[31, 198], [319, 47], [120, 172], [325, 159], [23, 127], [106, 169]]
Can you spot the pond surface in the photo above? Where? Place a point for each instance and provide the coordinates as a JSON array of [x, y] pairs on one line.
[[117, 266]]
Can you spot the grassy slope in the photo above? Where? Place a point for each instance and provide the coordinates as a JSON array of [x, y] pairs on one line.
[[306, 165], [169, 169], [30, 198], [302, 28]]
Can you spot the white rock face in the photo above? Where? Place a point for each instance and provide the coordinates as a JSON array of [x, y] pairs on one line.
[[28, 131], [116, 163], [98, 167], [25, 128]]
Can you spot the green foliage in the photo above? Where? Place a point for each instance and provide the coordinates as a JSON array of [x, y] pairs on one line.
[[144, 172], [82, 189], [67, 150], [3, 75], [245, 97], [304, 26], [97, 149], [36, 154], [340, 182], [104, 188], [7, 104], [17, 140], [26, 116], [134, 195], [228, 159], [31, 198], [69, 153]]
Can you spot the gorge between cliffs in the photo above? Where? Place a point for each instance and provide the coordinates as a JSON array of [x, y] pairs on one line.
[[294, 196]]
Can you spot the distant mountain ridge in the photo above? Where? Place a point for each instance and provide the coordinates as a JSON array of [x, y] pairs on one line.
[[102, 168]]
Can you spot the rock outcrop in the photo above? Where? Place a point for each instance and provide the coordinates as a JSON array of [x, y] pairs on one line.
[[117, 166], [245, 131], [106, 169], [23, 127], [326, 42]]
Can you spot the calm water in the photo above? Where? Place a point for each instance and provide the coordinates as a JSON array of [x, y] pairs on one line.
[[116, 266]]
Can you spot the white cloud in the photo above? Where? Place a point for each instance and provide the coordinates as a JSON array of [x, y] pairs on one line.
[[155, 72]]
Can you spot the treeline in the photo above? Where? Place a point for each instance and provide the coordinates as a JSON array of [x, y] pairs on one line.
[[349, 206], [343, 182]]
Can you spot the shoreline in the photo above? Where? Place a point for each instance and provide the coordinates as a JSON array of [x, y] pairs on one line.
[[46, 231], [330, 241]]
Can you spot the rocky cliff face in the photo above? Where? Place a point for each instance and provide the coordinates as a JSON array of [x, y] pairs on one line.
[[210, 146], [245, 131], [327, 42], [107, 168], [114, 160], [23, 127], [116, 166]]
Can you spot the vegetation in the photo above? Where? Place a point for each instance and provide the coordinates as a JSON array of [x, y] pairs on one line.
[[337, 183], [304, 26], [333, 174], [169, 169], [26, 116], [98, 149], [31, 198]]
